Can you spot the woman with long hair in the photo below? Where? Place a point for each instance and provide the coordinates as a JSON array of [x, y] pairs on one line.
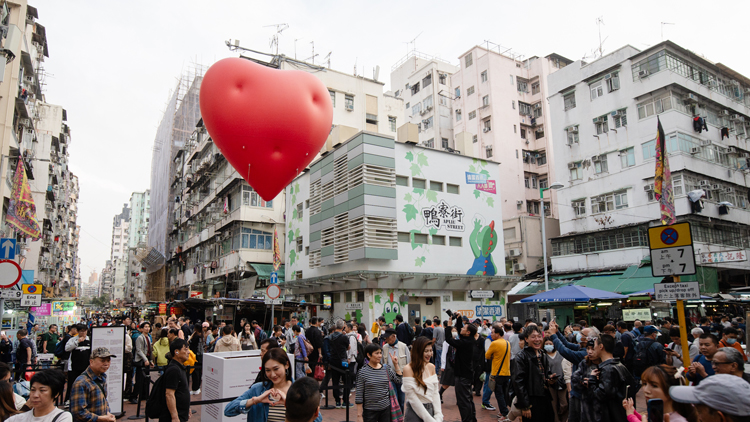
[[362, 330], [266, 400], [421, 385], [247, 338], [655, 383], [374, 382], [7, 401]]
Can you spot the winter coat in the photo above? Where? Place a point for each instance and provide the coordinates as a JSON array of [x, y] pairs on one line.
[[228, 343], [609, 392], [589, 406], [527, 379], [161, 348]]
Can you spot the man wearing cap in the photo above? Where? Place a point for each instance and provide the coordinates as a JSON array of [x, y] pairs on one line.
[[718, 398], [651, 350], [88, 398]]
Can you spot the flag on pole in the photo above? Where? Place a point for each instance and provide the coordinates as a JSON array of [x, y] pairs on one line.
[[663, 178], [276, 250], [22, 211]]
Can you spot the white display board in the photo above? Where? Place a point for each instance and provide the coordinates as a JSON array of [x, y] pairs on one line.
[[113, 338], [228, 374], [690, 290]]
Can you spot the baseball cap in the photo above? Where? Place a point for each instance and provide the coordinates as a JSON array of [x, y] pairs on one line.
[[101, 352], [206, 325], [650, 329], [390, 332], [719, 392]]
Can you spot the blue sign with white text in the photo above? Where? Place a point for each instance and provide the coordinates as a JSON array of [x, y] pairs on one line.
[[475, 178]]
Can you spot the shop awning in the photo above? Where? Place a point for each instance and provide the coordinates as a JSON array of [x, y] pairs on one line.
[[573, 294], [264, 270]]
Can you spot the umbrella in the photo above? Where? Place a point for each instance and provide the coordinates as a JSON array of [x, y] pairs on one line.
[[572, 294]]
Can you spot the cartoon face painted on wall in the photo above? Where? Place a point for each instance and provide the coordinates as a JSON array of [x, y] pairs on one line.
[[391, 307], [483, 241]]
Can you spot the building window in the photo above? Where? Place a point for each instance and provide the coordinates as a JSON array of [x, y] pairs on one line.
[[458, 115], [677, 185], [404, 237], [371, 119], [333, 97], [596, 90], [627, 157], [418, 183], [513, 104], [427, 102], [349, 102], [543, 183], [483, 76], [300, 210], [472, 115], [458, 92], [487, 123], [427, 123], [620, 117], [421, 238], [256, 239], [455, 241], [541, 159], [570, 101], [526, 182], [539, 133], [417, 109], [450, 188], [537, 110], [251, 199], [415, 88], [535, 88], [601, 124], [572, 133], [489, 152], [438, 239], [402, 181], [600, 164], [613, 81], [427, 80], [468, 61], [444, 143], [579, 208], [442, 78], [436, 186], [470, 91], [392, 123], [522, 85], [524, 109], [523, 133], [656, 105], [474, 139], [621, 200], [485, 100], [407, 105], [576, 171], [299, 244], [430, 143]]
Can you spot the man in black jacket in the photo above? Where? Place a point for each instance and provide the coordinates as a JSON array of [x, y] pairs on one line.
[[315, 338], [610, 387], [404, 332], [339, 346], [463, 369]]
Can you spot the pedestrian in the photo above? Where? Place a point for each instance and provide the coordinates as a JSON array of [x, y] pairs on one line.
[[479, 363], [315, 338], [80, 352], [351, 352], [262, 402], [50, 339], [514, 347], [609, 381], [195, 343], [5, 376], [142, 362], [403, 331], [463, 370], [160, 350], [727, 360], [558, 380], [719, 398], [498, 353], [7, 401], [656, 382], [393, 348], [176, 384], [306, 398], [420, 385], [375, 384], [362, 331], [6, 348], [447, 378], [701, 367], [45, 387], [438, 334], [227, 342], [673, 351], [300, 351], [88, 400], [211, 339], [648, 351], [289, 333], [530, 369], [338, 363], [24, 354], [730, 339]]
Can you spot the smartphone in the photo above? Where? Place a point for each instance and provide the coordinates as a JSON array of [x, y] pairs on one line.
[[655, 410]]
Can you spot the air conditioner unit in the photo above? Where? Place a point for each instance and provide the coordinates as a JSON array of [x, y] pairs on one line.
[[519, 202], [596, 158], [728, 190], [643, 73], [732, 150], [734, 117], [349, 107], [649, 187], [695, 150], [515, 252], [703, 183], [519, 267], [572, 129], [715, 186], [608, 76], [617, 113], [485, 130], [29, 79], [598, 120], [572, 165], [725, 112], [705, 143], [691, 98]]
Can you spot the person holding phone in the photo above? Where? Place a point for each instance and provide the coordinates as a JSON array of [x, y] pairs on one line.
[[609, 381], [655, 383]]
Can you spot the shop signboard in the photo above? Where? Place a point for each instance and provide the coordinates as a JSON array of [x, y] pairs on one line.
[[642, 314], [63, 308]]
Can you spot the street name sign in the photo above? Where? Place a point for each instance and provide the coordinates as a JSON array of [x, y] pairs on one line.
[[671, 250], [482, 294]]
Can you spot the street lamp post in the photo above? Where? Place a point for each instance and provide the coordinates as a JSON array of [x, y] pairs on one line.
[[556, 185]]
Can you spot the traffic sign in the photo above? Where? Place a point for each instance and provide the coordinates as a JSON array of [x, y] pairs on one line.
[[273, 291], [660, 237], [672, 261], [31, 289], [10, 273], [11, 294], [7, 248], [677, 291], [482, 294], [31, 300], [270, 301], [274, 278]]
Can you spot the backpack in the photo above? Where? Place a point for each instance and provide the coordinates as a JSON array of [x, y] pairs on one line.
[[60, 352], [157, 399], [326, 349], [360, 355], [641, 360], [629, 387]]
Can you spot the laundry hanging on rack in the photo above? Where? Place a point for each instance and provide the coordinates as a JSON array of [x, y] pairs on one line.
[[724, 132], [699, 124]]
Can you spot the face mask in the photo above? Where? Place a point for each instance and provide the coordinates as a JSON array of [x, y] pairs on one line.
[[714, 333], [549, 348], [455, 336], [578, 336], [731, 340]]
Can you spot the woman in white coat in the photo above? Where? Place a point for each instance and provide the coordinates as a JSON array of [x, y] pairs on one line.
[[421, 386]]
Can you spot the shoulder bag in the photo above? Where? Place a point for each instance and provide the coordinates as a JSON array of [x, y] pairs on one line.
[[491, 383]]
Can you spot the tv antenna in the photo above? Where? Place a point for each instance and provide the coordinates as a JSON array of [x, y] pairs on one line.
[[327, 59], [413, 43], [295, 47], [662, 28], [280, 27], [599, 23], [313, 53]]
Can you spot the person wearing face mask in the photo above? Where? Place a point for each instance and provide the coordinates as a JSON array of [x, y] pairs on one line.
[[729, 339], [558, 381], [577, 358]]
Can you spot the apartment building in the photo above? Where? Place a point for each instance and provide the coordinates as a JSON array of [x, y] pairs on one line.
[[500, 112], [137, 237], [424, 83], [604, 119]]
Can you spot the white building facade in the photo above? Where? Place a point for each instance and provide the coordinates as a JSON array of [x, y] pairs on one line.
[[604, 119]]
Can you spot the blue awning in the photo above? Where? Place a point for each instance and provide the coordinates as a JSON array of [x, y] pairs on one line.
[[572, 294]]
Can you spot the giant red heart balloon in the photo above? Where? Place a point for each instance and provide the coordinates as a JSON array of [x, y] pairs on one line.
[[269, 124]]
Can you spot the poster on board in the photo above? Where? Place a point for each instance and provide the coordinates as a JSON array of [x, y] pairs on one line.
[[112, 338]]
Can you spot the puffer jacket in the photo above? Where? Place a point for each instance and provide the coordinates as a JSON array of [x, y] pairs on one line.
[[228, 343], [527, 380], [160, 350]]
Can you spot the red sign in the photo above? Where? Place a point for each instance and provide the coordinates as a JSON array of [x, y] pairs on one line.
[[162, 309], [10, 273], [199, 295]]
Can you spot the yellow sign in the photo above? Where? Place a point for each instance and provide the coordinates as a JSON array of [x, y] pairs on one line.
[[31, 289], [661, 237]]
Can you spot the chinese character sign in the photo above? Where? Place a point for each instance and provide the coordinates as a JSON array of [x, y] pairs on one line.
[[488, 187], [718, 257], [475, 178], [443, 216]]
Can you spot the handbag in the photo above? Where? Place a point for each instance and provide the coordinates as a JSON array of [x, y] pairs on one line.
[[396, 415], [320, 374], [492, 382]]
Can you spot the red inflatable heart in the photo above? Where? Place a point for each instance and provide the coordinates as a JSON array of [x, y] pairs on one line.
[[269, 124]]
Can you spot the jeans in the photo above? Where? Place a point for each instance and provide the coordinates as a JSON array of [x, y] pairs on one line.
[[501, 391], [486, 392], [464, 400], [438, 360]]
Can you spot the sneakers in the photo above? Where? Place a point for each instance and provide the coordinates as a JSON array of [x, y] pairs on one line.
[[343, 405], [488, 407], [339, 406], [196, 392]]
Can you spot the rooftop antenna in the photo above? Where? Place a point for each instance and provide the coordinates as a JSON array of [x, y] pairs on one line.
[[599, 23], [313, 53], [280, 27], [355, 65], [662, 28], [327, 59], [295, 47], [413, 42]]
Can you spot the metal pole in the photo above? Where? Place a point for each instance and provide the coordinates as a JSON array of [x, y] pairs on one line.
[[272, 316], [683, 328], [544, 241], [2, 309]]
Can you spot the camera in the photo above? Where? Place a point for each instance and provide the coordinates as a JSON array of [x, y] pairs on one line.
[[450, 314]]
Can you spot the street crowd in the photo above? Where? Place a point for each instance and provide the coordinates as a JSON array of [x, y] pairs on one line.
[[537, 371]]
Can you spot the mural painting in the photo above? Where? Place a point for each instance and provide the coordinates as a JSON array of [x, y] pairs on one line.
[[483, 241], [389, 304]]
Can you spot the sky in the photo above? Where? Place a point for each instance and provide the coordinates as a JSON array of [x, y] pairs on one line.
[[113, 64]]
